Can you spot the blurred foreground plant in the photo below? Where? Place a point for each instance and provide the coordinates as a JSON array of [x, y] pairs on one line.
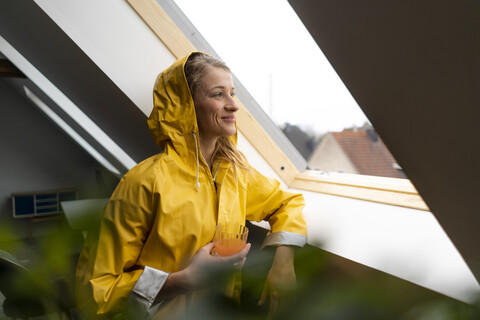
[[333, 288], [37, 273], [328, 286]]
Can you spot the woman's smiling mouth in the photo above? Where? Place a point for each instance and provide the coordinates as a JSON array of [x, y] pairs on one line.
[[230, 119]]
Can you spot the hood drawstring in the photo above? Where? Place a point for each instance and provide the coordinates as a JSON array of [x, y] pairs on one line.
[[198, 161]]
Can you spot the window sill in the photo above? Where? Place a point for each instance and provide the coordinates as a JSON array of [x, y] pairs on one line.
[[391, 191]]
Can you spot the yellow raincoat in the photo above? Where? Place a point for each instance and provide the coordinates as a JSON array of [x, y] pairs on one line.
[[166, 208]]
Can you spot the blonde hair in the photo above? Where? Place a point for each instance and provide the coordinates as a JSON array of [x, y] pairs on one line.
[[195, 69]]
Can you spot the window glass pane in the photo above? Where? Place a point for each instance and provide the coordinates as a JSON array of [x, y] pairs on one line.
[[273, 55]]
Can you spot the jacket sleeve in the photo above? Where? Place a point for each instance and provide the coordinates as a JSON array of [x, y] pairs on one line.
[[266, 200], [107, 271]]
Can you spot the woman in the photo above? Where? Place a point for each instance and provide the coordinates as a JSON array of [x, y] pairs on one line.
[[154, 239]]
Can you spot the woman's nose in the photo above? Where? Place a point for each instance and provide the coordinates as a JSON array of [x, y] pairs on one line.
[[232, 105]]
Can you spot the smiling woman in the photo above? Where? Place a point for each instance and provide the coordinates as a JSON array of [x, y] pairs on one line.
[[214, 105], [152, 251]]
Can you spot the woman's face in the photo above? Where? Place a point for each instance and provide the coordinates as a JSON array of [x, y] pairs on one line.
[[214, 104]]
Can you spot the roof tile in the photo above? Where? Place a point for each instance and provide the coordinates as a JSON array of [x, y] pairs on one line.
[[370, 157]]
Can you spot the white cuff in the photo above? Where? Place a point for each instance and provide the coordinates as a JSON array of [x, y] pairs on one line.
[[284, 238], [144, 292], [149, 284]]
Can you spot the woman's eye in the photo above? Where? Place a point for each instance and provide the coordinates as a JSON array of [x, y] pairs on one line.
[[232, 94], [218, 94]]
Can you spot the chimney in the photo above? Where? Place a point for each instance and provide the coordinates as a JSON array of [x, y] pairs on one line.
[[372, 134]]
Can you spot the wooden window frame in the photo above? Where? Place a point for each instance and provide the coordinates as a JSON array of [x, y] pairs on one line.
[[391, 191]]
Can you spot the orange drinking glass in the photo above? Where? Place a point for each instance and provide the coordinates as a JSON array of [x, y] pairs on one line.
[[230, 239]]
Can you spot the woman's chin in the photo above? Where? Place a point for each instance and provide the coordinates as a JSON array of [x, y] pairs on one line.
[[230, 132]]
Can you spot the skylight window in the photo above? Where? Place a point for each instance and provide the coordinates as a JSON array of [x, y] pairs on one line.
[[271, 52]]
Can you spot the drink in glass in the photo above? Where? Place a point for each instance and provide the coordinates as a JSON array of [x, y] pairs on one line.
[[230, 239]]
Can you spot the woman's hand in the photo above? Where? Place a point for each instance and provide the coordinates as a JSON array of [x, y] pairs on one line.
[[197, 273], [203, 263], [280, 283]]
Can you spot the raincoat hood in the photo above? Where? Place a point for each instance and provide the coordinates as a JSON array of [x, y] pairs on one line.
[[173, 118]]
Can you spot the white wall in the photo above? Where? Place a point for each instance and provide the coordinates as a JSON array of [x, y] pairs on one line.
[[407, 243], [117, 40]]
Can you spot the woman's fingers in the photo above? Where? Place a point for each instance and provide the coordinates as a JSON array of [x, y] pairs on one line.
[[280, 283], [204, 264], [208, 247], [239, 265], [275, 303], [264, 295]]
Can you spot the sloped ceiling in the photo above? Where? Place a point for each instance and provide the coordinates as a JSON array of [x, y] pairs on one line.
[[27, 28], [414, 69]]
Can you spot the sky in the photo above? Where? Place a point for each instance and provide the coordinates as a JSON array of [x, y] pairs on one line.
[[269, 50]]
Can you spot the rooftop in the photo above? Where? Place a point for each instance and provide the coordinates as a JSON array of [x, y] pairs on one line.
[[368, 153]]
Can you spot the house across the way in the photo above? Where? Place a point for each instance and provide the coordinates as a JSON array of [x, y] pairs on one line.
[[356, 151]]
